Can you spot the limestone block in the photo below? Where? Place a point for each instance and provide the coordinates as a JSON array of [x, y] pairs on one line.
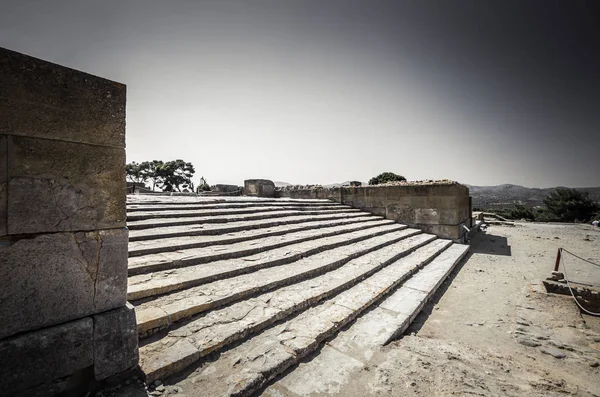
[[52, 278], [62, 186], [3, 184], [115, 342], [443, 231], [259, 188], [46, 354], [50, 101]]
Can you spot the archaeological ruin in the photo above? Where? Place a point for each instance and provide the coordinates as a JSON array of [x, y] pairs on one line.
[[246, 286]]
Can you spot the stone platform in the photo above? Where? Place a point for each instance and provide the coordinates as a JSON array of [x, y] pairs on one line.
[[246, 287]]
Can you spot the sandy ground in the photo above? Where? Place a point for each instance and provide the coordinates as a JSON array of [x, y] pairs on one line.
[[491, 330], [488, 328]]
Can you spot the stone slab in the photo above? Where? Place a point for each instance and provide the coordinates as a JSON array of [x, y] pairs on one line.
[[232, 323], [41, 356], [115, 342], [259, 188], [52, 278], [58, 186], [3, 185], [179, 305], [45, 100], [325, 374]]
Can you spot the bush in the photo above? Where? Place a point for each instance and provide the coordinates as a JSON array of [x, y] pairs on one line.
[[385, 178], [568, 205]]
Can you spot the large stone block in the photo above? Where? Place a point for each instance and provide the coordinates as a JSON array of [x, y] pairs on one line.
[[115, 342], [58, 186], [38, 357], [3, 184], [51, 278], [259, 188], [45, 100]]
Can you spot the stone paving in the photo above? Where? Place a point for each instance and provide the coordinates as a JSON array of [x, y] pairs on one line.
[[266, 281]]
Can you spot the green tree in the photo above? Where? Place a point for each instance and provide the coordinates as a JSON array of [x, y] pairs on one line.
[[175, 176], [134, 172], [386, 177], [567, 205], [150, 170]]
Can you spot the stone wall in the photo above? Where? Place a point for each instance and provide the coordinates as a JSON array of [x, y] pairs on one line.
[[438, 208], [64, 318], [259, 188]]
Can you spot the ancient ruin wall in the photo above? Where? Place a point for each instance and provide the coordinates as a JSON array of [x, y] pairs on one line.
[[63, 238], [438, 208]]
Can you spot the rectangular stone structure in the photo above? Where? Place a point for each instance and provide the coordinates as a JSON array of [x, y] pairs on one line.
[[39, 357], [44, 100], [72, 186], [438, 208], [63, 238], [259, 188], [52, 278]]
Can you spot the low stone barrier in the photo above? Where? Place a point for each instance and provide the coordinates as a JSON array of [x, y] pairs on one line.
[[441, 208]]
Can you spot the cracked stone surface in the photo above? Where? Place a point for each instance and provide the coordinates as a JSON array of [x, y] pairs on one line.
[[192, 256], [93, 279], [145, 285], [71, 186], [220, 228], [187, 213], [263, 282], [194, 300], [145, 247], [220, 327]]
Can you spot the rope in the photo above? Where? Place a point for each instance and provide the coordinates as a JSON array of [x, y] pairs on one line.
[[578, 257], [571, 289]]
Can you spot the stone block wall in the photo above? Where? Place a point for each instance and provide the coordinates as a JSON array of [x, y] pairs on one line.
[[64, 317], [438, 208], [259, 188]]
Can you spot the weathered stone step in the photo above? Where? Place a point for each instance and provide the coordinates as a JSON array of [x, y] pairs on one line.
[[233, 323], [146, 247], [351, 349], [186, 213], [217, 228], [247, 367], [164, 310], [393, 316], [169, 206], [162, 282], [195, 256], [202, 220]]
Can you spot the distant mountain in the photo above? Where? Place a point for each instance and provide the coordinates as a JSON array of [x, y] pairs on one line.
[[505, 195]]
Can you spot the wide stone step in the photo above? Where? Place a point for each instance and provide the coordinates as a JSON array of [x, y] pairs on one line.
[[186, 213], [352, 349], [215, 204], [221, 327], [247, 367], [195, 256], [146, 247], [162, 282], [164, 310], [163, 222], [393, 316], [217, 228]]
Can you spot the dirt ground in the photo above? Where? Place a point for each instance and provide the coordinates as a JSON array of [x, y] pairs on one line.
[[491, 330]]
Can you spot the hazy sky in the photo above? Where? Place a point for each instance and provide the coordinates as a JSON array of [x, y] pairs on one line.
[[324, 91]]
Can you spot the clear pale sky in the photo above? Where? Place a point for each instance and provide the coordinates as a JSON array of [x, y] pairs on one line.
[[315, 91]]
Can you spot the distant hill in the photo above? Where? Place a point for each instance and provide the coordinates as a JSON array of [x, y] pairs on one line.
[[505, 195]]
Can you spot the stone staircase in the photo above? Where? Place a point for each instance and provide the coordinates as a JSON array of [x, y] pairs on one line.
[[263, 282]]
